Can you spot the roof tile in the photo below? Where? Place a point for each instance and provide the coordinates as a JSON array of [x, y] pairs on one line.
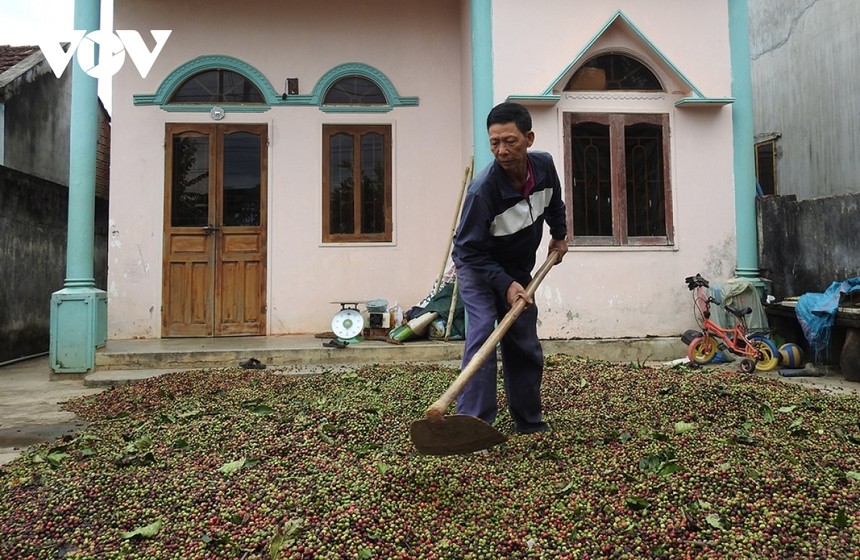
[[12, 55]]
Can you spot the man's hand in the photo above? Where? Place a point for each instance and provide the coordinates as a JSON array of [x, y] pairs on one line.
[[515, 292], [559, 245]]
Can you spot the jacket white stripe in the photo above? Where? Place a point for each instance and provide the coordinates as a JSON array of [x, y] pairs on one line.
[[520, 216]]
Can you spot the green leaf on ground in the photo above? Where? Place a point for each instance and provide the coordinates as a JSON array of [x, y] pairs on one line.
[[285, 536], [684, 427], [54, 459], [145, 532], [637, 504], [233, 466]]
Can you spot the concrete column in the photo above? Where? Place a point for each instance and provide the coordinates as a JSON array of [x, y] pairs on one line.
[[744, 143], [482, 78], [79, 310]]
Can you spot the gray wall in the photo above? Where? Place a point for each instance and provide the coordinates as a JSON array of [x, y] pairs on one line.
[[33, 218], [805, 68], [37, 123], [806, 245]]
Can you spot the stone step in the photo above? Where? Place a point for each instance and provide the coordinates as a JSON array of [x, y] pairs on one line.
[[292, 350]]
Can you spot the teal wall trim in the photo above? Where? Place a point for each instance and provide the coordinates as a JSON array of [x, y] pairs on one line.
[[743, 132], [206, 107], [79, 311], [363, 70], [704, 101], [482, 78], [271, 97], [534, 99]]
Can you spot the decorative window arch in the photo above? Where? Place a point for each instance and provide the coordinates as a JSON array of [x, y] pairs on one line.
[[677, 83], [200, 66], [271, 98], [353, 74]]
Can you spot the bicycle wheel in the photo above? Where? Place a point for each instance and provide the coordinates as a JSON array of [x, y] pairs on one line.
[[769, 353], [702, 350]]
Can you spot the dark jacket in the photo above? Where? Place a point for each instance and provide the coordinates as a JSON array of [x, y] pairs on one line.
[[500, 230]]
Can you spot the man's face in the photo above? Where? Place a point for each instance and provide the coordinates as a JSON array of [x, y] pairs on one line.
[[510, 146]]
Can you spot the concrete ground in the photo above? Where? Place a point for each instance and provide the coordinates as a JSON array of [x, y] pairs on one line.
[[29, 405], [31, 395]]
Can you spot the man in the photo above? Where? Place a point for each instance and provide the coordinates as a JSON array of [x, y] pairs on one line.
[[500, 229]]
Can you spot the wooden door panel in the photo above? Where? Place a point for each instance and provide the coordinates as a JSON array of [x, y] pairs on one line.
[[189, 245], [189, 304], [237, 244], [189, 276], [240, 285], [241, 305], [215, 230]]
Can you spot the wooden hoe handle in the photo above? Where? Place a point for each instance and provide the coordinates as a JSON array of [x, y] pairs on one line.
[[436, 411]]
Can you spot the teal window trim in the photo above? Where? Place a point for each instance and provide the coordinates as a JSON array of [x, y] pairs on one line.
[[695, 98], [169, 85], [339, 72], [272, 98]]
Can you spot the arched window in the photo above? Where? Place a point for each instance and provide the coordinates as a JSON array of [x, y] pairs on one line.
[[354, 90], [613, 71], [217, 86]]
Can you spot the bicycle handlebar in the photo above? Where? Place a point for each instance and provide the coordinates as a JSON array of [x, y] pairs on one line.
[[696, 281]]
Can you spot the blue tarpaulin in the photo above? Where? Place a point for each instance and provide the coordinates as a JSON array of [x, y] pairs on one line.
[[816, 312]]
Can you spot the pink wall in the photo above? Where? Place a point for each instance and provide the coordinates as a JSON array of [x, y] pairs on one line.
[[423, 49]]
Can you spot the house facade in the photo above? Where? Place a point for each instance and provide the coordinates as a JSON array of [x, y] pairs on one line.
[[285, 156]]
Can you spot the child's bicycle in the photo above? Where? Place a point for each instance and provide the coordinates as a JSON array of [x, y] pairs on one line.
[[758, 351]]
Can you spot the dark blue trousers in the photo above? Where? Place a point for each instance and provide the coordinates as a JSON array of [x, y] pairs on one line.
[[522, 358]]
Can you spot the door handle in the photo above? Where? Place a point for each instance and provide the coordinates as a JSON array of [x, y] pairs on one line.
[[210, 229]]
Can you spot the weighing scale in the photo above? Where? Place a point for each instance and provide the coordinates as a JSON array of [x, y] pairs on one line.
[[347, 324]]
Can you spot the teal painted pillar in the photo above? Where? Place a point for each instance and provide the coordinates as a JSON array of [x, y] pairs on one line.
[[482, 78], [744, 144], [79, 310]]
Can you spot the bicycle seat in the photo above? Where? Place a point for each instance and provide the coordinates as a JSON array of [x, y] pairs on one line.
[[739, 313]]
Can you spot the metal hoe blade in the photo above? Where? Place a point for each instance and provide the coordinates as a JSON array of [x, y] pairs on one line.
[[454, 435]]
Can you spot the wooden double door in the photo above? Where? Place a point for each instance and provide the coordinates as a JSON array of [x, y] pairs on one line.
[[215, 230]]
